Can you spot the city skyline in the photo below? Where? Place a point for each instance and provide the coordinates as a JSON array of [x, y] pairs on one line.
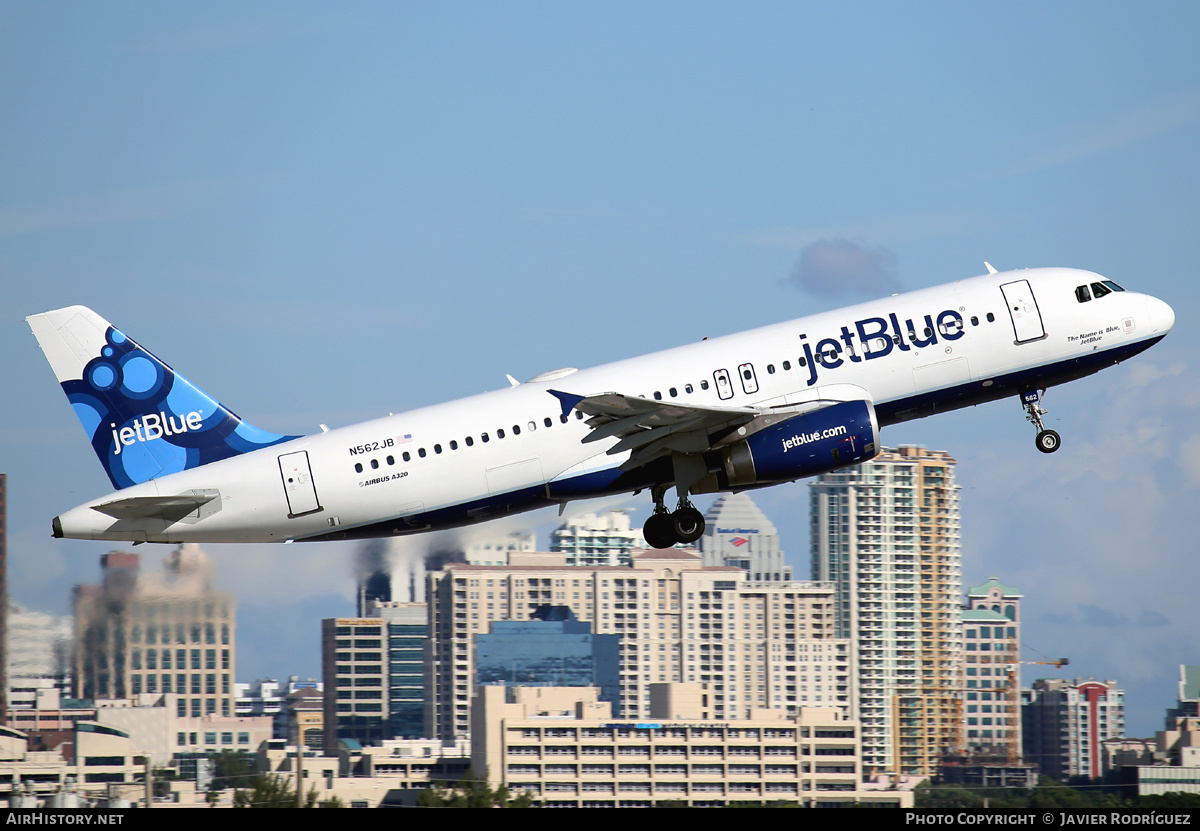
[[448, 198]]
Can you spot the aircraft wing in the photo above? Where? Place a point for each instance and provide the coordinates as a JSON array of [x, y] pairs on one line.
[[650, 429]]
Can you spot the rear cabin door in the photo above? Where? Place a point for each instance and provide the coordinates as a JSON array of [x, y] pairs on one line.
[[298, 484]]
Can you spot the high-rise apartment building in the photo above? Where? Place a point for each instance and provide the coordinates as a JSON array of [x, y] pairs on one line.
[[1066, 722], [737, 533], [886, 534], [991, 669], [756, 644], [148, 633], [606, 539]]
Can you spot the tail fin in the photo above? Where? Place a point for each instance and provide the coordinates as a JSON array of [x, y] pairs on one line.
[[143, 419]]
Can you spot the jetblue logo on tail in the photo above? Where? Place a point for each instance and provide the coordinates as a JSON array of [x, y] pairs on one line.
[[153, 426], [144, 420]]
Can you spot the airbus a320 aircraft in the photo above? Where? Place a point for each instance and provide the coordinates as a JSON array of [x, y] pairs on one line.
[[743, 411]]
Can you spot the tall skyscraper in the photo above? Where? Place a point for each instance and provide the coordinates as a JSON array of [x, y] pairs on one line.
[[757, 644], [991, 674], [148, 633], [886, 534], [737, 533]]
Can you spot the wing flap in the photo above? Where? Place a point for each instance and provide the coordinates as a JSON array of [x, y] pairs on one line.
[[650, 429]]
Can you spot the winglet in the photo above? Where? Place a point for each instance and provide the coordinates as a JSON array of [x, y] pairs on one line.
[[567, 400], [512, 382], [991, 269]]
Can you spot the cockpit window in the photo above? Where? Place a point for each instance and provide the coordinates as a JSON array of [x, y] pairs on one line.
[[1082, 294], [1113, 285], [1099, 289]]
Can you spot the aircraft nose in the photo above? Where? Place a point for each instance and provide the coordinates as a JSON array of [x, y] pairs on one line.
[[1162, 316]]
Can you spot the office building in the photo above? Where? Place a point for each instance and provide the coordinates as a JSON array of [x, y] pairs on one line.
[[552, 649], [156, 633], [737, 533], [757, 643], [1065, 724], [407, 627], [886, 535], [991, 670], [563, 746], [607, 539], [354, 674]]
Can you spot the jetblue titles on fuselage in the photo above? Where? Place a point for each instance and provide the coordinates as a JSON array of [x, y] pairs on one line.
[[876, 338]]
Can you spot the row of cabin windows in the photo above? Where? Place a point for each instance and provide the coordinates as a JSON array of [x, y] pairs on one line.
[[1098, 290], [750, 383], [720, 376], [469, 441]]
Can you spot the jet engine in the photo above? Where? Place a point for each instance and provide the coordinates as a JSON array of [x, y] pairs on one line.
[[814, 442]]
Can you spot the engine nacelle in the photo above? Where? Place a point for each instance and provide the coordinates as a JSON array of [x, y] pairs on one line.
[[814, 442]]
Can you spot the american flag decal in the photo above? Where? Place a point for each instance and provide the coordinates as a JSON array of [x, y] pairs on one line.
[[405, 439]]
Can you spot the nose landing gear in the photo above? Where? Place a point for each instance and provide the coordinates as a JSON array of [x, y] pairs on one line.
[[1047, 440]]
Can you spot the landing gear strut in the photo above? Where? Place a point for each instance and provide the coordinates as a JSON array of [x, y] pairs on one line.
[[1047, 440], [664, 529]]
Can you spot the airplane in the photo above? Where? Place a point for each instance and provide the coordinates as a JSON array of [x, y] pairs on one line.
[[749, 410]]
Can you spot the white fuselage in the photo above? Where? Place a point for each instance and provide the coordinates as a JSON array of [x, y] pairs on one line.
[[357, 481]]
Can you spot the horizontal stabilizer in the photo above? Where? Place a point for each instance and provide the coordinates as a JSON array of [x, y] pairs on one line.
[[171, 508]]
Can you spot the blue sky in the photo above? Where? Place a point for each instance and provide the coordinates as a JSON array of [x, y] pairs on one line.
[[324, 214]]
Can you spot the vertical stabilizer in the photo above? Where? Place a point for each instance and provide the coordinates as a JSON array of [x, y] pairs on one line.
[[142, 418]]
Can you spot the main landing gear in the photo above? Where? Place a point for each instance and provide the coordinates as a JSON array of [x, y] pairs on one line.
[[1047, 440], [664, 529]]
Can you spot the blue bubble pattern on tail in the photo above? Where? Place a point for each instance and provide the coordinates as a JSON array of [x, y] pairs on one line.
[[145, 420]]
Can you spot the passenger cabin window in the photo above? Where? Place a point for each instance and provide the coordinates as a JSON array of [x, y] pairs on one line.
[[1082, 294], [950, 327]]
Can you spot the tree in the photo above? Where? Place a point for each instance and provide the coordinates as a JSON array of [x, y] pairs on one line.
[[270, 791], [472, 791], [232, 769]]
